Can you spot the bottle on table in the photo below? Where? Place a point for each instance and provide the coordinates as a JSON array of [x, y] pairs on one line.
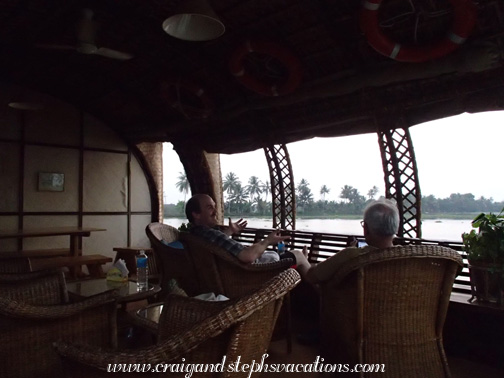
[[142, 271], [280, 247]]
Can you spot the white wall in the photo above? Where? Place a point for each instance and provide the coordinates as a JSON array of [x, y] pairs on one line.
[[95, 161]]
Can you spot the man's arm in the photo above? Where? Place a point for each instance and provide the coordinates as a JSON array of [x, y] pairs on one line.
[[251, 253]]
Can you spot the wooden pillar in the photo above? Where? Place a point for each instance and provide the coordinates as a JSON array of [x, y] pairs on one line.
[[202, 178], [216, 173], [152, 154]]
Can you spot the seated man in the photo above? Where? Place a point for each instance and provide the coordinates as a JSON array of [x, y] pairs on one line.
[[381, 222], [202, 214]]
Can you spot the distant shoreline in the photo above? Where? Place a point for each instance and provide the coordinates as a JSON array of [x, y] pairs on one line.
[[461, 216]]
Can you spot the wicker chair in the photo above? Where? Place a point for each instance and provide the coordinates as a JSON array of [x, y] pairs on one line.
[[175, 263], [389, 307], [202, 267], [15, 265], [199, 332], [36, 288], [27, 330], [219, 272]]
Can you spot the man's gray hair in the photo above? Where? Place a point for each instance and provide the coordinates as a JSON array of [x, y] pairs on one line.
[[382, 217]]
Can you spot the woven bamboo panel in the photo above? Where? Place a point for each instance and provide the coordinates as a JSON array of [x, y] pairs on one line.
[[401, 179], [282, 187]]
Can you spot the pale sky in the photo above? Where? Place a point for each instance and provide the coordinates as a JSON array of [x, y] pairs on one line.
[[459, 154]]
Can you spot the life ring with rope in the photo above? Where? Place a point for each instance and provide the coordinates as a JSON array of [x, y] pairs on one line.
[[464, 20], [290, 62], [179, 93]]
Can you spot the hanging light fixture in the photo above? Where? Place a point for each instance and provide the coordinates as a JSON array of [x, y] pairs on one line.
[[194, 20]]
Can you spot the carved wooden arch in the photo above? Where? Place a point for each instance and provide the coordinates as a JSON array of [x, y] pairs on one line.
[[401, 179], [282, 187]]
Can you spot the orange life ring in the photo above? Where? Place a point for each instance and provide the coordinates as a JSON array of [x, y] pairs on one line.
[[464, 19], [173, 91], [285, 56]]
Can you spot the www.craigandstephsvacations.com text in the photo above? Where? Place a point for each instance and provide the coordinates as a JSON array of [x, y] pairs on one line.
[[317, 366]]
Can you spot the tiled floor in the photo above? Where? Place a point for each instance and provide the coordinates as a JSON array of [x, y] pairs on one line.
[[302, 354]]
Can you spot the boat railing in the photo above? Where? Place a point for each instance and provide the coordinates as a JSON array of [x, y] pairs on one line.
[[323, 245]]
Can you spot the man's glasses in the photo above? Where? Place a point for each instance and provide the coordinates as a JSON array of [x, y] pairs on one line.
[[362, 223]]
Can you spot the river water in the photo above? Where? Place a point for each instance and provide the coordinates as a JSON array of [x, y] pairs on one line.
[[432, 229]]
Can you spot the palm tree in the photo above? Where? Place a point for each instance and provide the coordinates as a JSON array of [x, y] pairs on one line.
[[304, 194], [183, 184], [373, 192], [303, 183], [238, 196], [254, 187], [346, 192], [323, 191], [230, 183], [266, 189]]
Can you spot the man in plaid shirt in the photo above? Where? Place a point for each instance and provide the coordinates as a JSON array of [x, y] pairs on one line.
[[202, 214]]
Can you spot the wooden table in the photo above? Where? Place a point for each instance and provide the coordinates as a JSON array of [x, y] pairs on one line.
[[74, 252], [75, 233]]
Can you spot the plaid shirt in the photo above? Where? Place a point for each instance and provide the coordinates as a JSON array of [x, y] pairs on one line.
[[219, 238]]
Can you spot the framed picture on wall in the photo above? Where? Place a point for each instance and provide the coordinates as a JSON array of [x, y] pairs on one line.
[[51, 182]]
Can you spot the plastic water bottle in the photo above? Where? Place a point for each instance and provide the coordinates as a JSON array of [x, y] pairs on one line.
[[281, 247], [142, 271]]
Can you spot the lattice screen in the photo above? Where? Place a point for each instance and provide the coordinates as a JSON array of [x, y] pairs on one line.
[[401, 179], [282, 187]]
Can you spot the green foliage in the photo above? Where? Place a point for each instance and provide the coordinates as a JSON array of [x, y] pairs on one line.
[[304, 195], [183, 184], [488, 243], [171, 210]]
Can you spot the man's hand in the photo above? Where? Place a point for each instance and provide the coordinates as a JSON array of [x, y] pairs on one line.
[[236, 227], [275, 237], [351, 241], [251, 253]]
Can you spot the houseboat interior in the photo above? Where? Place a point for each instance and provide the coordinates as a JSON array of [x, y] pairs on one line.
[[91, 89]]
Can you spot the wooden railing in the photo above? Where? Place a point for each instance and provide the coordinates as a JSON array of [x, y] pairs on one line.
[[323, 245]]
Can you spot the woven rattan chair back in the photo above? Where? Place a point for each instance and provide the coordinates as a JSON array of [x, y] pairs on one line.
[[389, 307], [27, 333], [15, 265], [36, 288], [174, 262], [199, 332], [221, 273]]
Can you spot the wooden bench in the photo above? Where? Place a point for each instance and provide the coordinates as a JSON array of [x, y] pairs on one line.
[[93, 262]]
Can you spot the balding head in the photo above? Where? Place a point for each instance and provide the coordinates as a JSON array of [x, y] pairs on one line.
[[200, 210]]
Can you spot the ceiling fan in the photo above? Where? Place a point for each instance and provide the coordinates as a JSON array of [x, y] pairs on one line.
[[86, 34]]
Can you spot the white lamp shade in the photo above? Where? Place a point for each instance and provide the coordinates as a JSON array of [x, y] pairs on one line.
[[195, 20]]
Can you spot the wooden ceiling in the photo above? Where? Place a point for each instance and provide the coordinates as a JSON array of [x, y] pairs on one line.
[[180, 91]]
